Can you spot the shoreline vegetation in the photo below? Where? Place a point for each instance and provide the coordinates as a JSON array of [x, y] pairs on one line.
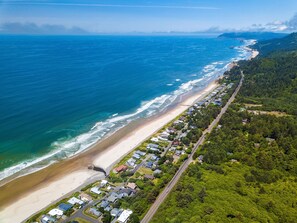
[[47, 186]]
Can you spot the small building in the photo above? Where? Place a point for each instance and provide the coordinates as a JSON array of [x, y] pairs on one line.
[[115, 212], [140, 153], [154, 157], [148, 176], [123, 218], [152, 145], [132, 186], [200, 159], [136, 156], [103, 183], [154, 139], [112, 197], [74, 201], [95, 190], [104, 204], [95, 212], [149, 164], [64, 207], [128, 191], [131, 162], [121, 168], [157, 171], [47, 219], [55, 212]]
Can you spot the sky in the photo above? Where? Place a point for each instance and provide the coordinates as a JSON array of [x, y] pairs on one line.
[[124, 16]]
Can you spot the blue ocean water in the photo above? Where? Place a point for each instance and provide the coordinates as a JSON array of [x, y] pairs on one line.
[[61, 94]]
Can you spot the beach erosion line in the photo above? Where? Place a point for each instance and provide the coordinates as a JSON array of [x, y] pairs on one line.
[[51, 189], [64, 149]]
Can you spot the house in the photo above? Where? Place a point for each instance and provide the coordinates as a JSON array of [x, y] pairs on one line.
[[115, 212], [103, 183], [173, 148], [152, 145], [121, 168], [154, 149], [128, 191], [157, 171], [74, 201], [131, 162], [55, 212], [132, 186], [85, 197], [178, 152], [95, 190], [104, 204], [112, 197], [47, 219], [136, 156], [149, 164], [140, 153], [64, 207], [148, 176], [95, 212], [175, 143], [154, 139], [108, 208], [200, 159], [123, 218], [154, 157]]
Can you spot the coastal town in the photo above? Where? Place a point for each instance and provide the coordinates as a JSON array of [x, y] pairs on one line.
[[143, 173]]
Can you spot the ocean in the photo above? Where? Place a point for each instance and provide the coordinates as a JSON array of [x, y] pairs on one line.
[[61, 94]]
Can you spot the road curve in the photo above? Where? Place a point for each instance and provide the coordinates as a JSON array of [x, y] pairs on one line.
[[185, 165]]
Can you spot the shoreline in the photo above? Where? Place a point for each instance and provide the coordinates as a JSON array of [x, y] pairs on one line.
[[37, 190]]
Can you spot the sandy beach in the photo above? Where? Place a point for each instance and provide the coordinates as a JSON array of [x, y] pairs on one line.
[[27, 195]]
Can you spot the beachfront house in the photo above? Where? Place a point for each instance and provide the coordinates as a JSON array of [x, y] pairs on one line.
[[103, 183], [123, 218], [85, 197], [55, 213], [74, 201], [154, 139], [95, 190], [136, 156], [121, 168], [47, 219], [131, 162], [140, 153], [65, 207]]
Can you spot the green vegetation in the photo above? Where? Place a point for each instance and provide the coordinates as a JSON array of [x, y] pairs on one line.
[[249, 170]]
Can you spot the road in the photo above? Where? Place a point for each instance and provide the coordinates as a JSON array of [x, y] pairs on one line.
[[185, 165]]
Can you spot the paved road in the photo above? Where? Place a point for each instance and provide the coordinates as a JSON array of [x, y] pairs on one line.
[[185, 165]]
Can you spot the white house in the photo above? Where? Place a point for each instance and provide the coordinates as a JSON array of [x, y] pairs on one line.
[[95, 190], [55, 212], [125, 216], [74, 201]]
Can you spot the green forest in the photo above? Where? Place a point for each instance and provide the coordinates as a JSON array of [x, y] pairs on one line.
[[249, 169]]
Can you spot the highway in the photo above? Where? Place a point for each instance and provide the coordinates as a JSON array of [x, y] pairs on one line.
[[185, 165]]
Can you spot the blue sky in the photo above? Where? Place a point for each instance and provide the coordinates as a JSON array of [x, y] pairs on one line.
[[147, 15]]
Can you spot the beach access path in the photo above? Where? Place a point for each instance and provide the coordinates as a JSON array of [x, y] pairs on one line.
[[160, 199]]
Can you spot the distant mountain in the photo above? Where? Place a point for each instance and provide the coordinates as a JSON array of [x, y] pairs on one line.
[[252, 35], [287, 43]]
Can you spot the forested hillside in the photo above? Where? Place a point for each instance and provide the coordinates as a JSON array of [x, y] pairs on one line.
[[279, 45], [249, 169]]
